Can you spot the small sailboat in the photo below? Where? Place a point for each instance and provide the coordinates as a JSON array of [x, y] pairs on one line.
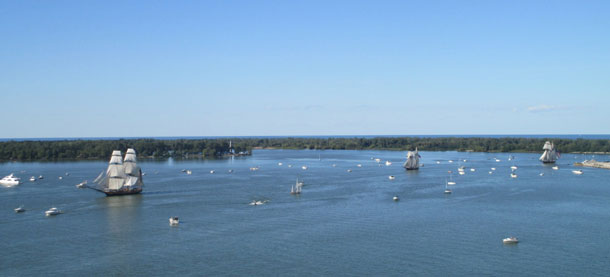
[[174, 221], [20, 209], [577, 172], [447, 190]]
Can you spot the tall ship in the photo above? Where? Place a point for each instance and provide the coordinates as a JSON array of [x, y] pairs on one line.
[[122, 177], [412, 162], [550, 155]]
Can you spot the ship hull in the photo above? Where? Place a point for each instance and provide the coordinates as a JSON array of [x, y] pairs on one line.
[[122, 192], [411, 168], [548, 162]]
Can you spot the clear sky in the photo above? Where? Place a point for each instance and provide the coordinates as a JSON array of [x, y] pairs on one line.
[[240, 68]]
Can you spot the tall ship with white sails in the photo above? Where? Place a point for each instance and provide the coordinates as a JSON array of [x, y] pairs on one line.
[[122, 177], [550, 155], [412, 162]]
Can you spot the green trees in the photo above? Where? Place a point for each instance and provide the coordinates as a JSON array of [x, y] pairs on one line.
[[214, 148]]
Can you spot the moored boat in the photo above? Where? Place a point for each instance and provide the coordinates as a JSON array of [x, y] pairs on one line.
[[10, 180]]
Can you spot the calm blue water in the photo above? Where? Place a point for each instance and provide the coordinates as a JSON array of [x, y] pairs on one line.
[[342, 224]]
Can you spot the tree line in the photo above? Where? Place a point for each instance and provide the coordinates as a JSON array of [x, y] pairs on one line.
[[217, 148]]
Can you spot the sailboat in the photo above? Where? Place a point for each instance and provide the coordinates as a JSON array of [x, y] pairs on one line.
[[122, 177], [412, 162], [550, 155], [447, 190]]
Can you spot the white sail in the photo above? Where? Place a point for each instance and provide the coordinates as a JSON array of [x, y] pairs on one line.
[[412, 160], [131, 167], [550, 154]]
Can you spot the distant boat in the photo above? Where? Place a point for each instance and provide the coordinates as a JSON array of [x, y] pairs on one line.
[[550, 155], [280, 164], [359, 165], [510, 240], [82, 184], [297, 188], [10, 180], [388, 163], [497, 160], [349, 170], [412, 162], [334, 165], [60, 177], [40, 177], [304, 167], [289, 165], [450, 182], [447, 190], [188, 172], [450, 161], [472, 169], [174, 221], [493, 168], [212, 171], [491, 172], [257, 168], [391, 177], [541, 174], [230, 170], [395, 198], [257, 202], [462, 172], [438, 162], [513, 175], [20, 209], [577, 172], [32, 179], [513, 167], [555, 167], [52, 211], [378, 160]]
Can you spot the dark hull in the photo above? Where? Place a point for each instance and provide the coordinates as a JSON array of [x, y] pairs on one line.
[[411, 168], [548, 162], [122, 192]]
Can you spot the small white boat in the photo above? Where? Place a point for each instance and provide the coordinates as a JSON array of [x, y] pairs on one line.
[[10, 180], [395, 198], [451, 161], [334, 165], [438, 162], [541, 174], [378, 160], [388, 163], [82, 184], [555, 168], [60, 177], [174, 221], [577, 172], [447, 191], [461, 168], [280, 164], [257, 168], [20, 209], [462, 172], [359, 165], [212, 171], [32, 179], [493, 168], [510, 240], [513, 175], [304, 167], [188, 172], [513, 167], [497, 160], [257, 202], [67, 174], [184, 170], [40, 177], [491, 172], [472, 169], [391, 177], [349, 170], [230, 170], [450, 183], [52, 211], [464, 160]]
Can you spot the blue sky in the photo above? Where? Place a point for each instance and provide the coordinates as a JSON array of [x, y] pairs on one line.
[[239, 68]]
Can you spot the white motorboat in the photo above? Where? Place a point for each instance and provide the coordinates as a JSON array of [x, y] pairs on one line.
[[447, 191], [513, 175], [60, 178], [510, 240], [188, 172], [212, 171], [450, 161], [40, 177], [542, 174], [391, 177], [513, 167], [280, 164], [52, 211], [395, 198], [174, 221], [304, 167], [230, 170], [257, 168], [555, 168], [378, 160], [82, 184], [462, 172], [491, 172], [577, 172], [257, 202], [10, 180], [359, 165], [493, 168], [349, 170], [497, 160], [472, 169], [20, 209], [33, 179], [388, 163]]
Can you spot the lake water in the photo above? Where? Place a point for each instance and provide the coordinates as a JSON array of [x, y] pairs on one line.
[[343, 223]]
